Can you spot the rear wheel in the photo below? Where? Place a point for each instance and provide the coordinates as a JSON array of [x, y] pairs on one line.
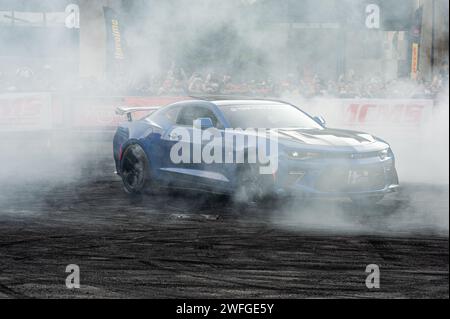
[[135, 169]]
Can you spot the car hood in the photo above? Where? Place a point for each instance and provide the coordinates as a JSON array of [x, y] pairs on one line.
[[329, 138]]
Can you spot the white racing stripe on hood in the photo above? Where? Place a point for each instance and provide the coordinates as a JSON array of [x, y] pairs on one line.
[[326, 139]]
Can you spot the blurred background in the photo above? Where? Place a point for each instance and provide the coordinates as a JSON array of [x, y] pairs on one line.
[[344, 48]]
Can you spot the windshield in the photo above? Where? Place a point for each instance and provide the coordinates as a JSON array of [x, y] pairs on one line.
[[267, 116]]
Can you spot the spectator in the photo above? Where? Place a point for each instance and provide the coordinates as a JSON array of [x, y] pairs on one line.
[[175, 82]]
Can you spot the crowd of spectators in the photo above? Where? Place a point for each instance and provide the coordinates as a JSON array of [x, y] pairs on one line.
[[176, 82]]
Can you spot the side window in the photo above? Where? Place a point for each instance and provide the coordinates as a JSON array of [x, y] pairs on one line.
[[190, 113], [204, 112], [172, 114], [186, 116]]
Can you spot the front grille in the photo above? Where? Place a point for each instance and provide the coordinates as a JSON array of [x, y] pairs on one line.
[[351, 179]]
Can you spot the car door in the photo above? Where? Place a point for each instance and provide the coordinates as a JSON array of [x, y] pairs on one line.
[[160, 156], [194, 173]]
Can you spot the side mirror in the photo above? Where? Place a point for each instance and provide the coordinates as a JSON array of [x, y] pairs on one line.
[[320, 120], [203, 123]]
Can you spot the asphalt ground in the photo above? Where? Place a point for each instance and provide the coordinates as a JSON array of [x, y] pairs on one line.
[[183, 244]]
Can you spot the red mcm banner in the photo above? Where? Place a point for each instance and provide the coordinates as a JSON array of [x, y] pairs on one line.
[[388, 112]]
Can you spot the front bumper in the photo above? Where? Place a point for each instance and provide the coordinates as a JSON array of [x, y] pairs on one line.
[[337, 178]]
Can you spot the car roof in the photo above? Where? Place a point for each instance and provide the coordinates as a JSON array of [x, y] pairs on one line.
[[246, 102], [220, 100]]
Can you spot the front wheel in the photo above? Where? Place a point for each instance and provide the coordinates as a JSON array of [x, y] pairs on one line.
[[252, 186], [135, 169]]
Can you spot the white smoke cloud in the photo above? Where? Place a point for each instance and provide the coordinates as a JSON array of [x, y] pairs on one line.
[[220, 35]]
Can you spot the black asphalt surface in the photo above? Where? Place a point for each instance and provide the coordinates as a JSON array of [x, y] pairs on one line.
[[190, 245]]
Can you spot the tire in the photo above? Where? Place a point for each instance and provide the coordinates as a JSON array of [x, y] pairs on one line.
[[134, 170], [252, 187]]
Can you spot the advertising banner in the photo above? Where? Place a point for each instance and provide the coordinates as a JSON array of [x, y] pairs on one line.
[[402, 113], [115, 45], [25, 112], [43, 111]]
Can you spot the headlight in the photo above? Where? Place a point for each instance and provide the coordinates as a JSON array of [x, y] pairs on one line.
[[298, 155], [384, 154]]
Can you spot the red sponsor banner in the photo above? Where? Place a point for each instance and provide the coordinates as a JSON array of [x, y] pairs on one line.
[[387, 112], [42, 111], [364, 113], [25, 112]]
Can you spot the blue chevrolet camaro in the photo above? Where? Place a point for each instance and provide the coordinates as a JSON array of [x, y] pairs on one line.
[[311, 159]]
